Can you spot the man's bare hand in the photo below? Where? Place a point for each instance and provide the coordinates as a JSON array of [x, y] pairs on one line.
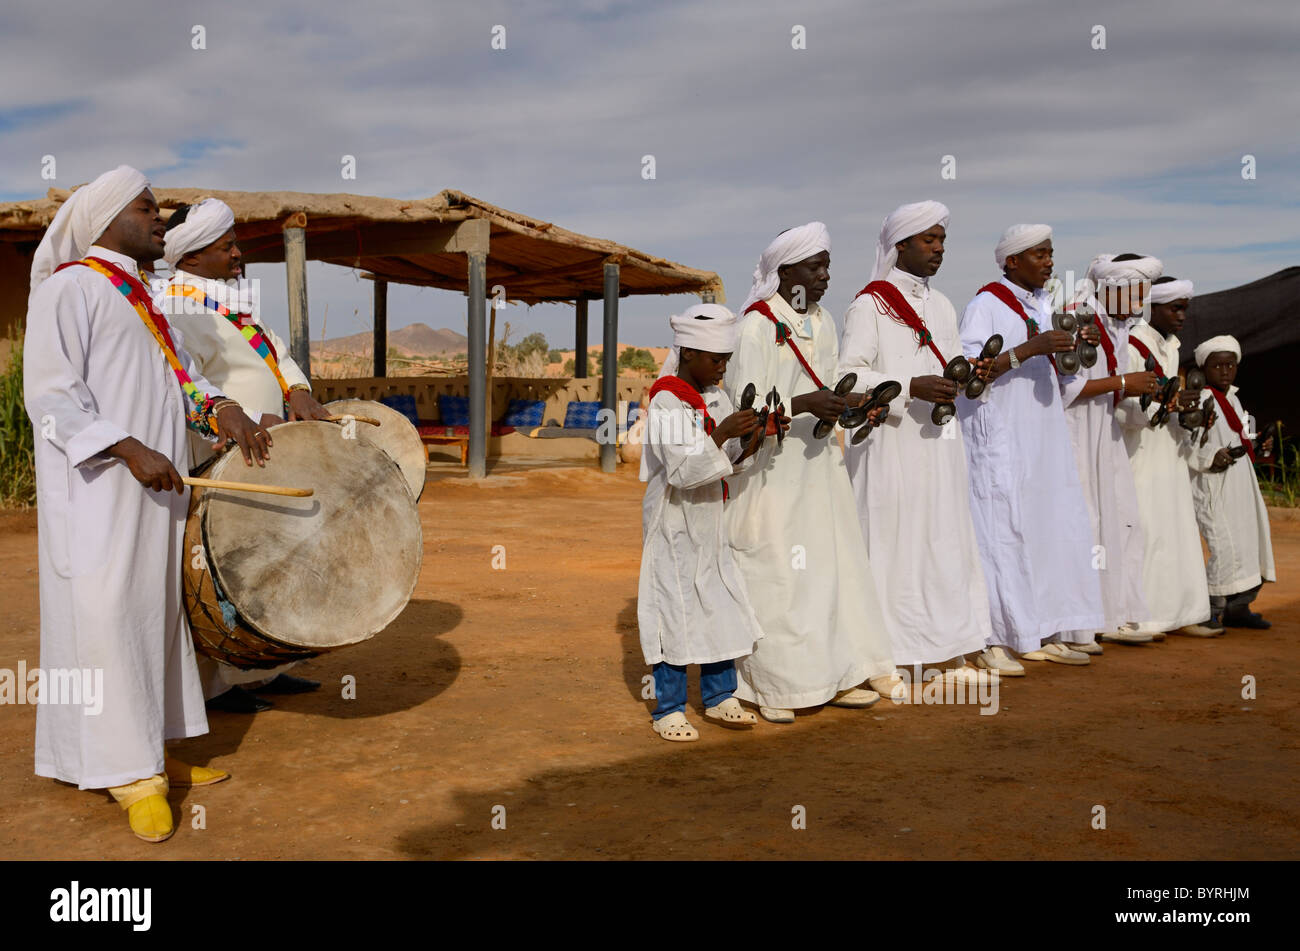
[[933, 389], [253, 439], [823, 404], [302, 405], [150, 468], [1143, 381]]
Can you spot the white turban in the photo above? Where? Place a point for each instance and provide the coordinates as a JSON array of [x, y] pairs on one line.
[[1214, 345], [790, 247], [83, 218], [1019, 238], [1168, 291], [206, 221], [1106, 270], [709, 327], [902, 223]]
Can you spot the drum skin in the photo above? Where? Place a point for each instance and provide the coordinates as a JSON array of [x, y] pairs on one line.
[[271, 579], [395, 435]]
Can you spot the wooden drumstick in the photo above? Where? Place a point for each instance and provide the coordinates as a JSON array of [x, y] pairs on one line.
[[247, 487], [359, 419]]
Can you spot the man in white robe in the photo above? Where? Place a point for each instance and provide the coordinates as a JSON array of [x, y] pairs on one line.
[[111, 413], [220, 318], [909, 475], [793, 522], [1173, 568], [692, 605], [1030, 517], [1117, 293], [1229, 506]]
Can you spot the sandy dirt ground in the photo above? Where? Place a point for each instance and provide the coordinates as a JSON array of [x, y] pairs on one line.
[[516, 693]]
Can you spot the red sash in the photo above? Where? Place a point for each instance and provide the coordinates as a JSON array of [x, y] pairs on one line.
[[1108, 347], [1143, 349], [1233, 420], [692, 398], [1003, 293], [785, 336], [891, 300]]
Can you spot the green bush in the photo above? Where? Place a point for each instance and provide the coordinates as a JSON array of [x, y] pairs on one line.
[[17, 464], [634, 358]]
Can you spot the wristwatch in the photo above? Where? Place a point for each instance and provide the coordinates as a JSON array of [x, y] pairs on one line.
[[1015, 361]]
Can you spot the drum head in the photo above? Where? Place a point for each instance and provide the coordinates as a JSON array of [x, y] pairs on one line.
[[395, 435], [319, 572]]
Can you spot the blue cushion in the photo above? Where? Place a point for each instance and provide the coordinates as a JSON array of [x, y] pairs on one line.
[[454, 410], [404, 403], [581, 414], [524, 413]]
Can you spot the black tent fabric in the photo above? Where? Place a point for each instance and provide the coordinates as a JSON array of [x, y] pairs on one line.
[[1264, 316]]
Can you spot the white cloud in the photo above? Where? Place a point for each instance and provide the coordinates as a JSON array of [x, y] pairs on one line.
[[1135, 147]]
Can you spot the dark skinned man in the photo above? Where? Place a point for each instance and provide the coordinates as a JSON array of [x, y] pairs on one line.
[[111, 391], [218, 315], [1173, 568], [909, 477], [1030, 516], [793, 524]]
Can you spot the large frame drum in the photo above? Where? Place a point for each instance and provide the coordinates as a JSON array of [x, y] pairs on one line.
[[395, 435], [272, 579]]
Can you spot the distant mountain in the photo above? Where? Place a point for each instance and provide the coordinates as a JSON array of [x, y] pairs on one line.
[[417, 339]]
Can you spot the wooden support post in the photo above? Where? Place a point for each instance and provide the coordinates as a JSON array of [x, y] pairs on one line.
[[609, 365], [477, 314], [295, 266], [381, 327], [580, 338], [491, 362]]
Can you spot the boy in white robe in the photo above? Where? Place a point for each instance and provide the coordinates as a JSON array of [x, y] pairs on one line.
[[1229, 505], [1030, 517], [692, 606], [1173, 568], [1091, 397], [793, 522], [909, 476], [109, 388], [249, 362]]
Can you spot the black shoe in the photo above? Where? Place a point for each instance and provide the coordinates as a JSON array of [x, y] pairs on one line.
[[287, 684], [1247, 619], [238, 700]]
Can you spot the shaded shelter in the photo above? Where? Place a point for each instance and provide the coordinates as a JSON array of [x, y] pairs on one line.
[[450, 240]]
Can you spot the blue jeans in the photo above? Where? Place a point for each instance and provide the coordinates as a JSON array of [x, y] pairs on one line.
[[717, 683]]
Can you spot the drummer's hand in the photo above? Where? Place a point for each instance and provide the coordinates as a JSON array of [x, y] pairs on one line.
[[1221, 460], [268, 420], [1091, 333], [253, 440], [933, 389], [302, 405], [150, 468], [824, 404]]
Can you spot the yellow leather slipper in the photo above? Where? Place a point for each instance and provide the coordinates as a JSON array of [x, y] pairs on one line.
[[183, 775], [145, 802]]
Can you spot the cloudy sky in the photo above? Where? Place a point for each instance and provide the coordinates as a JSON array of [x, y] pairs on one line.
[[1139, 146]]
